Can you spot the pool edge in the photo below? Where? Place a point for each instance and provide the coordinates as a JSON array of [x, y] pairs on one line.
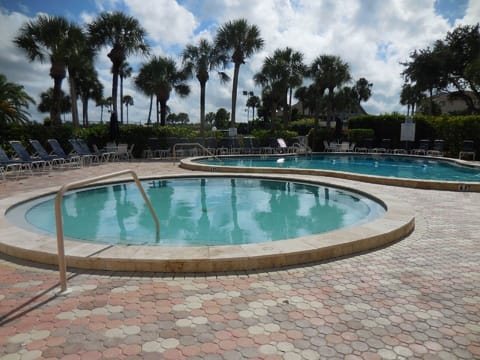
[[396, 224]]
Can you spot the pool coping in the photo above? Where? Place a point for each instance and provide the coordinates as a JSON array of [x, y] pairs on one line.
[[190, 164], [397, 223]]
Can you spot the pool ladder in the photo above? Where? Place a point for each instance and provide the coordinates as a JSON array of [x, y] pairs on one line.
[[62, 265]]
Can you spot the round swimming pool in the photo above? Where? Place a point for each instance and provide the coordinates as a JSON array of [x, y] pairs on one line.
[[415, 171], [203, 211]]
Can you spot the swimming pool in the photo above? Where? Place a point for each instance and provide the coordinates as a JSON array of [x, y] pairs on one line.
[[427, 172], [201, 211], [24, 242]]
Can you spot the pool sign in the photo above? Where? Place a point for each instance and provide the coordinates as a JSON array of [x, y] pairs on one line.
[[407, 131]]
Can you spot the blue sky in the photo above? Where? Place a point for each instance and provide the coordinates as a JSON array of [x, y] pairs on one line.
[[372, 36]]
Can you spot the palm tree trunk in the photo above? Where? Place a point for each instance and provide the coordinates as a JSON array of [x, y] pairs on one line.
[[121, 99], [202, 108], [126, 105], [163, 112], [158, 112], [73, 98], [85, 110], [290, 105], [55, 112], [114, 92], [149, 120], [234, 94], [330, 108]]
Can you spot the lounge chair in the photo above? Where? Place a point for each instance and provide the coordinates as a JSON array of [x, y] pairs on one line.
[[468, 149], [82, 150], [423, 147], [384, 147], [364, 146], [59, 152], [12, 165], [53, 160], [437, 148], [23, 154]]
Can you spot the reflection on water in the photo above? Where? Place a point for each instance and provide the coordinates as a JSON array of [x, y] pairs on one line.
[[207, 211]]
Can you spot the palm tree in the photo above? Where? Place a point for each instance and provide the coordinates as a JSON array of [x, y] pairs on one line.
[[128, 101], [411, 96], [125, 72], [13, 102], [89, 87], [102, 102], [295, 69], [253, 102], [273, 77], [363, 89], [144, 82], [125, 36], [47, 101], [160, 76], [329, 72], [238, 40], [79, 61], [199, 61], [46, 37]]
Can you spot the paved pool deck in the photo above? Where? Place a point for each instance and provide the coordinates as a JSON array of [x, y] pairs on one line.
[[416, 299]]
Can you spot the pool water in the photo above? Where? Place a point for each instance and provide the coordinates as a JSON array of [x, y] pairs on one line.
[[375, 165], [203, 211]]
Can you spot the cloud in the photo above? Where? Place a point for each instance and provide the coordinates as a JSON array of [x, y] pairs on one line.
[[165, 20], [373, 37]]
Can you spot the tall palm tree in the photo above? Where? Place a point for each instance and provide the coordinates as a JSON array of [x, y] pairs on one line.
[[161, 76], [13, 102], [144, 82], [295, 69], [46, 37], [79, 60], [103, 102], [89, 87], [329, 72], [47, 101], [199, 61], [253, 102], [363, 89], [124, 35], [128, 101], [125, 72], [238, 40], [411, 95], [273, 77]]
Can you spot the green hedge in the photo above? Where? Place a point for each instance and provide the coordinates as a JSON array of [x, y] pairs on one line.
[[452, 129]]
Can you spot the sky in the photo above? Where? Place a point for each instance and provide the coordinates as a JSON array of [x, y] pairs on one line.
[[372, 36]]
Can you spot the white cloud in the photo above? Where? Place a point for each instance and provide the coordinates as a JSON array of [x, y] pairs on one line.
[[165, 20], [372, 36]]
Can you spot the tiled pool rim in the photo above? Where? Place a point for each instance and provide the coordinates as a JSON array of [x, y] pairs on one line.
[[193, 164], [397, 223]]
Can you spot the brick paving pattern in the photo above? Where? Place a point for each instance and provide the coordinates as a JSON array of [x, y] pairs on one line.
[[416, 299]]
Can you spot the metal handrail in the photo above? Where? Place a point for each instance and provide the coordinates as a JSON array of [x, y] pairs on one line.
[[62, 266], [191, 144]]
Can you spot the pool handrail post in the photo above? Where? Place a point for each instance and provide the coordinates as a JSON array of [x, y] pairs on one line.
[[174, 150], [62, 265]]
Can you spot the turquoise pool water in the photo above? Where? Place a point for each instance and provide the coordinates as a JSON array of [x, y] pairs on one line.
[[376, 165], [201, 211]]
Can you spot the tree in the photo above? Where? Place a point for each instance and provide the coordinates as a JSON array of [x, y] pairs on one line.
[[411, 96], [363, 90], [89, 87], [102, 102], [124, 35], [210, 118], [144, 82], [238, 40], [125, 72], [222, 117], [13, 102], [425, 70], [47, 101], [253, 102], [160, 77], [46, 37], [198, 61], [296, 70], [273, 77], [128, 101]]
